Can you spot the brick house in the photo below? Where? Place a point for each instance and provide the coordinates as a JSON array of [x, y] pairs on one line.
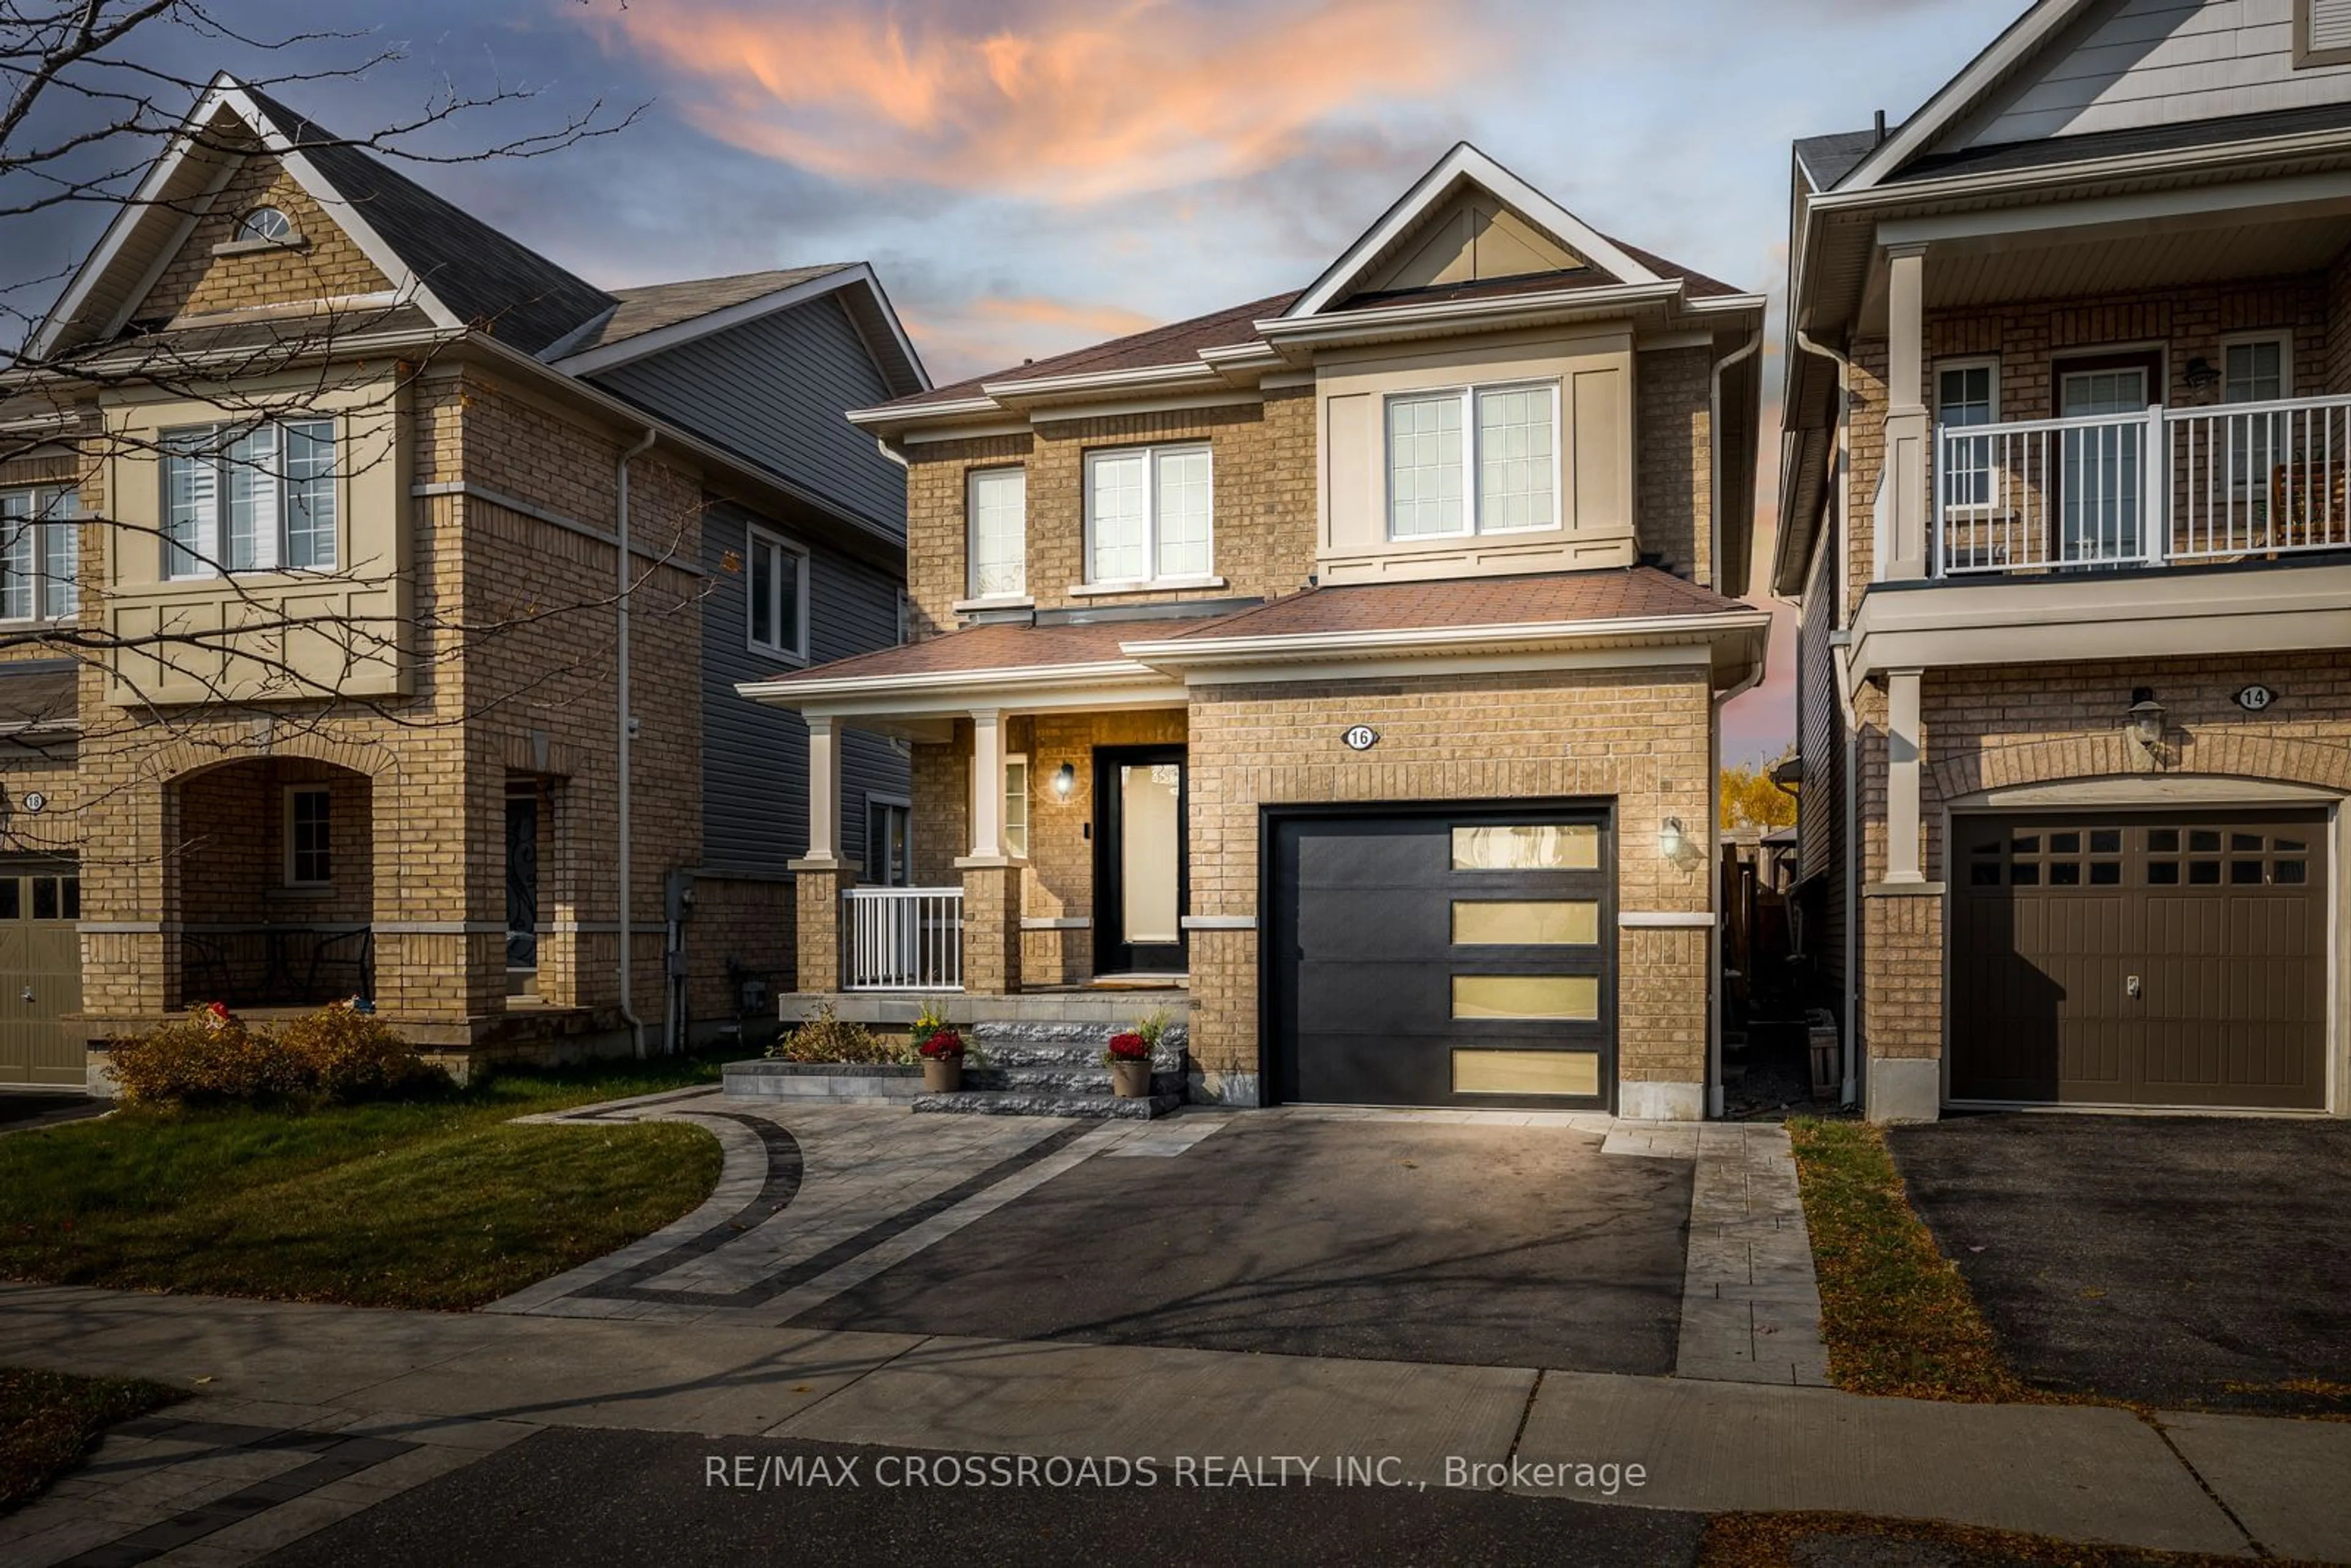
[[335, 485], [2064, 500], [1340, 670]]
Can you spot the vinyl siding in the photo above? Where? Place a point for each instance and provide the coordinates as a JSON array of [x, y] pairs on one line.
[[774, 391], [1820, 802], [2163, 62], [755, 757]]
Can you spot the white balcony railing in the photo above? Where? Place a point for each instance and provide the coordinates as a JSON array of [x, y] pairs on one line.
[[2232, 482], [902, 939]]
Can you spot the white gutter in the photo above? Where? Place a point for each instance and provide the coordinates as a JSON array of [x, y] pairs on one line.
[[1714, 430], [1605, 298], [1839, 657], [1039, 675], [620, 697]]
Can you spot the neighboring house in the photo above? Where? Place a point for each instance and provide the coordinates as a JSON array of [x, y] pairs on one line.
[[332, 479], [1343, 664], [2075, 555]]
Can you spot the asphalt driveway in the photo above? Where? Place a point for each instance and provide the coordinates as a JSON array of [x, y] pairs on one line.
[[2180, 1261], [1489, 1244]]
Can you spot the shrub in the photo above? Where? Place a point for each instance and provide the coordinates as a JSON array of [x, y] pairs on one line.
[[335, 1055], [352, 1055], [1128, 1046], [943, 1044], [826, 1037]]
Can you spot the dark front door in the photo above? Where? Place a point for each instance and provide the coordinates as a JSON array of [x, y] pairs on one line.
[[1443, 956], [2121, 959], [1140, 860]]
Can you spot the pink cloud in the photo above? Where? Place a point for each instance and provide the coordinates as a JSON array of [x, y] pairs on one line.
[[1065, 101]]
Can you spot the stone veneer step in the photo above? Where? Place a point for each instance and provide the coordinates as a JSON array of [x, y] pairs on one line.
[[1007, 1103]]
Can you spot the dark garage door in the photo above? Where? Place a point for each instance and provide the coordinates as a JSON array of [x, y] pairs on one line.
[[2119, 959], [1443, 957]]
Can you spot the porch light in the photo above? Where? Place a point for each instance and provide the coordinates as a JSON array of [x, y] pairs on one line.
[[2144, 721], [1673, 842], [2200, 373], [1065, 779]]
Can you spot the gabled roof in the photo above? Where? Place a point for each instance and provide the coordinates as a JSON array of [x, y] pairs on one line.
[[486, 278], [1460, 168]]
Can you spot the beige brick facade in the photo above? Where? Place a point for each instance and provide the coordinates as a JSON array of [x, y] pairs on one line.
[[324, 263]]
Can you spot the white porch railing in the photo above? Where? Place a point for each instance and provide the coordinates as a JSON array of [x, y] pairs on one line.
[[2223, 483], [902, 939]]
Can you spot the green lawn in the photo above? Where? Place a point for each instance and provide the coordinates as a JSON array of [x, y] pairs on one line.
[[438, 1203], [48, 1420], [1897, 1317]]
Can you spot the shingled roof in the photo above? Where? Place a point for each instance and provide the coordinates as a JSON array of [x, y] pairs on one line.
[[660, 305]]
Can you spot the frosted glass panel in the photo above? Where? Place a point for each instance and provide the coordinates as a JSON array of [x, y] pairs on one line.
[[1151, 826], [1526, 1073], [1574, 996], [1558, 924], [1573, 847]]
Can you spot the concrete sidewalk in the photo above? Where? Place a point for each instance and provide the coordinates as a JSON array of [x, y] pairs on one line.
[[2231, 1485]]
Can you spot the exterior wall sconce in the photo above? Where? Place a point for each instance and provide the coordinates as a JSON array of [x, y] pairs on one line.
[[2201, 374], [1674, 844], [2143, 727], [1065, 780]]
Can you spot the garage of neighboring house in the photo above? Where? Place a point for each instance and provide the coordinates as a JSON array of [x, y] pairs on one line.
[[1442, 956], [2175, 958], [41, 973]]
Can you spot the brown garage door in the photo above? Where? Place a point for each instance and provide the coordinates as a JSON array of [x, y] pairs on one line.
[[2119, 959], [41, 973]]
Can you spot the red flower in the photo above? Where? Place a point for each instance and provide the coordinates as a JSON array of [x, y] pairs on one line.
[[943, 1045], [1128, 1047]]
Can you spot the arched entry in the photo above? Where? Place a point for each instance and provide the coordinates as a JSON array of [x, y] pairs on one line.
[[273, 865]]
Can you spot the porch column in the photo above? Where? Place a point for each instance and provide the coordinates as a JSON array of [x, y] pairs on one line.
[[986, 784], [1902, 704], [1908, 426], [820, 877], [824, 791]]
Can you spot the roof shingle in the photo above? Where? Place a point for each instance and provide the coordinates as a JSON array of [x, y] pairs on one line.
[[1638, 592]]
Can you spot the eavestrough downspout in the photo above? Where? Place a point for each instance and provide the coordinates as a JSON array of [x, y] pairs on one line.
[[621, 753], [1850, 1090]]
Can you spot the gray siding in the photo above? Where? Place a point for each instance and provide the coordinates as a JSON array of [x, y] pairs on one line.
[[2162, 62], [755, 757], [1820, 729], [774, 391]]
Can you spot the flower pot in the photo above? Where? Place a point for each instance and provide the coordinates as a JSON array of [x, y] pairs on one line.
[[1131, 1080], [942, 1075]]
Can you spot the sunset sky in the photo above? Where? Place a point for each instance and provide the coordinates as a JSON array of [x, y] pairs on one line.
[[1028, 176]]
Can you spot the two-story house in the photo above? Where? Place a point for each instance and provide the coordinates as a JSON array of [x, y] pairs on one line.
[[2064, 497], [374, 592], [1340, 670]]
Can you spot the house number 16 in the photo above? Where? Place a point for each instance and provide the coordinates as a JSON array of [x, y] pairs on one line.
[[1361, 738]]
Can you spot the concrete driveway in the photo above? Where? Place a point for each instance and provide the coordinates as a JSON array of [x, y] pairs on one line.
[[1398, 1239], [2195, 1262]]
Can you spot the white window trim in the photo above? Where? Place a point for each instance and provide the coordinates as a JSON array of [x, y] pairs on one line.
[[757, 537], [1017, 760], [1152, 581], [1469, 394], [2283, 336], [211, 544], [971, 479], [287, 833], [1985, 508], [40, 579]]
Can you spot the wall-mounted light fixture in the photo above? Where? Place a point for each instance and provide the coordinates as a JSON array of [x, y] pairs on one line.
[[1065, 780], [1673, 844], [2142, 726]]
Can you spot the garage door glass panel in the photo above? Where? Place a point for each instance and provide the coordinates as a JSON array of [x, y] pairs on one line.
[[1572, 846], [1575, 997], [1529, 924], [1563, 1072]]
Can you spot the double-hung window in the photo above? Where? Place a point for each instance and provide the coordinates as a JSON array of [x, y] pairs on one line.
[[310, 835], [2258, 370], [1148, 514], [1966, 395], [249, 497], [997, 502], [40, 554], [778, 595], [1482, 460]]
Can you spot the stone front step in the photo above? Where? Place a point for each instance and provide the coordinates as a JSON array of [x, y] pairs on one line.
[[1065, 1044], [1008, 1103], [1057, 1078]]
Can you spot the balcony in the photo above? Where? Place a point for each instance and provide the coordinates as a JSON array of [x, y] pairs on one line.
[[2256, 481]]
